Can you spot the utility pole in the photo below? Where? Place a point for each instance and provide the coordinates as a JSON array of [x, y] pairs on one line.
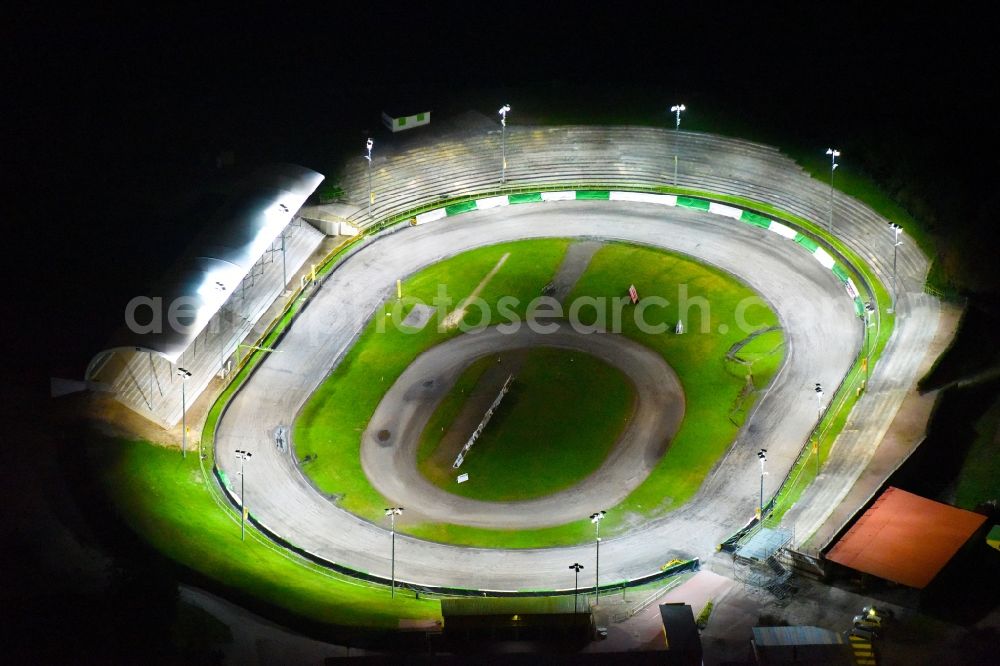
[[869, 309], [576, 567], [834, 154], [818, 390], [504, 110], [677, 109], [896, 229], [762, 455], [243, 457], [392, 512], [183, 374], [596, 518], [368, 157]]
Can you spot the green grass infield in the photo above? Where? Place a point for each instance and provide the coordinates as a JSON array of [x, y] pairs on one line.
[[328, 431], [564, 411]]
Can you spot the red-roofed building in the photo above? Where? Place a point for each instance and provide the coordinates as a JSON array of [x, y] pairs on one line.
[[906, 538]]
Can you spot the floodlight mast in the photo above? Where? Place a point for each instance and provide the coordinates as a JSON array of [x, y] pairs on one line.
[[576, 567], [762, 456], [896, 230], [243, 456], [834, 154], [503, 111], [183, 374], [818, 390], [596, 518], [869, 309], [369, 145], [676, 109], [392, 512]]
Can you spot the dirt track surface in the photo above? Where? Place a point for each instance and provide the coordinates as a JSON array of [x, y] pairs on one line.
[[822, 333], [391, 462]]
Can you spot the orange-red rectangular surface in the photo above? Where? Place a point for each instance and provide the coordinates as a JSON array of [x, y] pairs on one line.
[[905, 538]]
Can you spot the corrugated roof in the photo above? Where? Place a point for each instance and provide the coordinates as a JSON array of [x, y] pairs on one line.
[[905, 538], [234, 237], [803, 635]]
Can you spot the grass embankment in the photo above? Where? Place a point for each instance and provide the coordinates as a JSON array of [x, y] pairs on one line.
[[556, 425], [166, 501]]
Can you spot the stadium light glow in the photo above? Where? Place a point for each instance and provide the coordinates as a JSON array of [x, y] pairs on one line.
[[278, 218], [392, 512], [596, 518], [834, 154], [218, 280], [677, 109]]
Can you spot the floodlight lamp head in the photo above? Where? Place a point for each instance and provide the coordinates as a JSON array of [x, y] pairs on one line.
[[183, 373], [597, 517]]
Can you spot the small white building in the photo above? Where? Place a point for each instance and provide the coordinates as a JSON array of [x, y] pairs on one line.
[[398, 121]]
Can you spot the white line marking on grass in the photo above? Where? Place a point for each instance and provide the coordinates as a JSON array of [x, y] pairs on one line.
[[455, 317]]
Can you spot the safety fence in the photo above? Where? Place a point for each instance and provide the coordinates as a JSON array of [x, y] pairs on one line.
[[695, 203], [824, 250]]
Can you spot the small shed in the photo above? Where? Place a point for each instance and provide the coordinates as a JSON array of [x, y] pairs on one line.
[[680, 633], [801, 645], [402, 117]]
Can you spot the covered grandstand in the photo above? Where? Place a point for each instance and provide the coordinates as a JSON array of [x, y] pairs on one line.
[[190, 326]]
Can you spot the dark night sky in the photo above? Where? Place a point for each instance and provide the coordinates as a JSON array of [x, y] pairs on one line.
[[110, 118], [112, 115]]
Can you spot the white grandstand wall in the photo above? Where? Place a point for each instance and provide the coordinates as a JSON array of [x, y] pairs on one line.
[[148, 383]]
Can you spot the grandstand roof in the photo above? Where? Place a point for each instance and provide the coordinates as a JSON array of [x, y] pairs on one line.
[[905, 538], [233, 239]]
